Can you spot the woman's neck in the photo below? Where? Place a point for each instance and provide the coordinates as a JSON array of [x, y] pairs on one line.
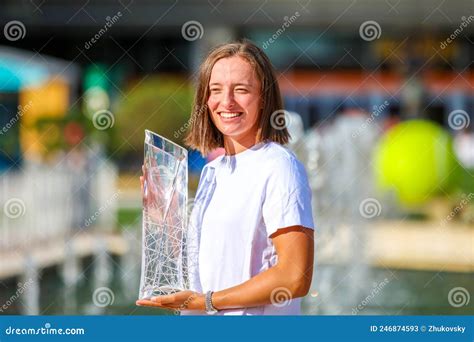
[[233, 146]]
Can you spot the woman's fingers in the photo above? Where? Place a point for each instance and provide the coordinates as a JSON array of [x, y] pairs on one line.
[[150, 303], [144, 302], [142, 180], [164, 300], [142, 187]]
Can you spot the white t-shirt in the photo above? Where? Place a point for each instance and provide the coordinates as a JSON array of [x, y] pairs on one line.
[[241, 200]]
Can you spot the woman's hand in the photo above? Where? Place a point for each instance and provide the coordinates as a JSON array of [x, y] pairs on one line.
[[183, 300]]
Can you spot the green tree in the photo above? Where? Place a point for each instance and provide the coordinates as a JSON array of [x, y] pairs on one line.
[[161, 103]]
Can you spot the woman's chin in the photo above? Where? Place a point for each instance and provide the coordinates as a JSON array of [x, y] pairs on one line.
[[230, 130]]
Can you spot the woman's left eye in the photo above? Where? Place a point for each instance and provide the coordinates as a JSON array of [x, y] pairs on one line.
[[241, 90]]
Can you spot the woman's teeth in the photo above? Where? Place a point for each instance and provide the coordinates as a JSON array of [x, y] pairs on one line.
[[229, 115]]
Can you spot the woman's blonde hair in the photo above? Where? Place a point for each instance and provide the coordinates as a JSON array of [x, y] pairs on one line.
[[203, 135]]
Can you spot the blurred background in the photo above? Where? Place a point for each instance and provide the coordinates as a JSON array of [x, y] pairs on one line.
[[378, 96]]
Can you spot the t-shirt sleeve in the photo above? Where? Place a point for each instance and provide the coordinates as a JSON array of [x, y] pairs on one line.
[[287, 197]]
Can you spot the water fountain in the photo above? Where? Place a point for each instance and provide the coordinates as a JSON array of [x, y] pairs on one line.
[[31, 294], [102, 295], [129, 265], [338, 166], [71, 277]]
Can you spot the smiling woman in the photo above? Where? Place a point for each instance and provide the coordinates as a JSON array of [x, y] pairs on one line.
[[235, 79], [251, 228]]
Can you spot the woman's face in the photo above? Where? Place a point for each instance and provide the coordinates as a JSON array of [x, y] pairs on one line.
[[234, 98]]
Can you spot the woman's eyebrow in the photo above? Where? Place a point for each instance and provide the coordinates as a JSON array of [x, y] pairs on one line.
[[235, 85], [243, 84]]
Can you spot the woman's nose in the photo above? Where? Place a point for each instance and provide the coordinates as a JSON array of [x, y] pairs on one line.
[[227, 98]]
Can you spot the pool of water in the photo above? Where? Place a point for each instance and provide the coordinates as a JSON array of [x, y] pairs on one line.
[[393, 292], [384, 292]]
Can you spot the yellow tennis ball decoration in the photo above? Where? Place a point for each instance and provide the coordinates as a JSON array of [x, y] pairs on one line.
[[415, 159]]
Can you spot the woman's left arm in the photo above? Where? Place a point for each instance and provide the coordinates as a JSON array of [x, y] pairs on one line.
[[293, 273]]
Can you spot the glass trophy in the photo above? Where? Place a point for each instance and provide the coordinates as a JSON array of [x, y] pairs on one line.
[[165, 192]]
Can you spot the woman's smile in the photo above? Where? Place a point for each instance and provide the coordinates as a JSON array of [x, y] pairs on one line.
[[229, 115]]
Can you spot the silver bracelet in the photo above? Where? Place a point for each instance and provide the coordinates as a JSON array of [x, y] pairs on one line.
[[210, 309]]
